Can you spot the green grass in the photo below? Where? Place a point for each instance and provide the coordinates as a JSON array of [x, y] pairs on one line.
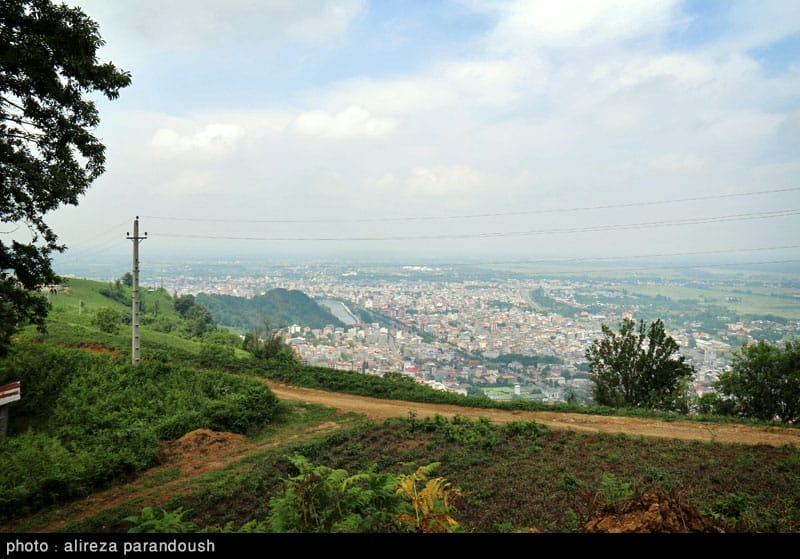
[[759, 302]]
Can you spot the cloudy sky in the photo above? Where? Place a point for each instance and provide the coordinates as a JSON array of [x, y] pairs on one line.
[[457, 130]]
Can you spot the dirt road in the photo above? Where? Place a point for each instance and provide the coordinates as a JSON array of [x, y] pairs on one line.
[[379, 410], [201, 451]]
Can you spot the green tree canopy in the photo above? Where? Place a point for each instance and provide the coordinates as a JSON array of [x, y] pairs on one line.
[[764, 382], [48, 153], [197, 318], [267, 342], [108, 320], [638, 367]]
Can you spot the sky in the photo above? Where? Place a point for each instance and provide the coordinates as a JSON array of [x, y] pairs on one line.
[[455, 131]]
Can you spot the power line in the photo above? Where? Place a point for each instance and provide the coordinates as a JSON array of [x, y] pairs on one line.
[[483, 215], [585, 229], [98, 242]]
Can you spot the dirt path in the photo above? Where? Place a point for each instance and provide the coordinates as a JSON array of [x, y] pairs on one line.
[[380, 410], [202, 451]]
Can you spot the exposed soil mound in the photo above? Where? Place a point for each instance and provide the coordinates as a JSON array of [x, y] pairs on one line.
[[200, 443], [97, 348], [650, 513]]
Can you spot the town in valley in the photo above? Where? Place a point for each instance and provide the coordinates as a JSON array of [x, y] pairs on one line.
[[503, 333]]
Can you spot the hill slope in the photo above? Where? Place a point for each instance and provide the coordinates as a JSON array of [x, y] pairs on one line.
[[514, 478], [519, 469], [280, 307]]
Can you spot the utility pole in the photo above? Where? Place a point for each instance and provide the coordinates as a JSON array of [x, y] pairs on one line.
[[135, 322]]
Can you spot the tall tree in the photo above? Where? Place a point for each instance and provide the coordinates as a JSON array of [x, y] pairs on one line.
[[48, 153], [638, 367], [763, 382]]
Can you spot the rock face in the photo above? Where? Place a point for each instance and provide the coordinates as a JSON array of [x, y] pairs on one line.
[[650, 513]]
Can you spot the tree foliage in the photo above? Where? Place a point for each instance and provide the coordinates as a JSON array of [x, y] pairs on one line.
[[108, 320], [284, 306], [268, 343], [48, 153], [638, 367], [197, 318], [763, 382]]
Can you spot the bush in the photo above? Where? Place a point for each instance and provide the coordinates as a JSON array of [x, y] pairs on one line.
[[108, 320], [45, 372], [108, 420], [38, 471]]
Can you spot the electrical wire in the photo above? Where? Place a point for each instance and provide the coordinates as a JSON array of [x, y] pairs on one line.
[[481, 215], [583, 229]]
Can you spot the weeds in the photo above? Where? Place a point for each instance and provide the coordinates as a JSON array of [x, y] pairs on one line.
[[166, 522]]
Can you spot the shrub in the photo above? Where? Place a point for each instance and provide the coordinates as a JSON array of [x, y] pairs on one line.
[[108, 420], [107, 320], [38, 471], [323, 499], [45, 372]]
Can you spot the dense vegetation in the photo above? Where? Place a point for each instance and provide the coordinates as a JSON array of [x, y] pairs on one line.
[[639, 366], [280, 307], [522, 476], [763, 382], [526, 360], [90, 420], [547, 304]]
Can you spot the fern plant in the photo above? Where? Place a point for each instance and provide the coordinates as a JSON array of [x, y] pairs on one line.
[[168, 522], [430, 503], [323, 499]]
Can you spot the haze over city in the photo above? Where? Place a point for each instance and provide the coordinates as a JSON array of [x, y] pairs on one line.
[[451, 130]]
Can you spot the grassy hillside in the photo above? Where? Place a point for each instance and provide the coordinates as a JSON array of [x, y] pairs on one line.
[[90, 422]]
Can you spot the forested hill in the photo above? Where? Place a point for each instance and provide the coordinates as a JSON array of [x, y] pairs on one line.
[[280, 307]]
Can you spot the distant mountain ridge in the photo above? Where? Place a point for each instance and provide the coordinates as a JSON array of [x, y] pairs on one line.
[[279, 306]]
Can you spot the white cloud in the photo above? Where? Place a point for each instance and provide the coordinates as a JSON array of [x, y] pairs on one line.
[[683, 69], [209, 24], [395, 96], [442, 181], [211, 133], [740, 126], [684, 73], [189, 182], [488, 81], [353, 122], [322, 21], [212, 139], [571, 23], [675, 163]]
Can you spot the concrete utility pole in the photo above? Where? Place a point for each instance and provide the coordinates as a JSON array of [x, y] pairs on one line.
[[135, 322]]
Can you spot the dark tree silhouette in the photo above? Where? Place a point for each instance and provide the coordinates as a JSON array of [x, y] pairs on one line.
[[48, 153], [638, 367]]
